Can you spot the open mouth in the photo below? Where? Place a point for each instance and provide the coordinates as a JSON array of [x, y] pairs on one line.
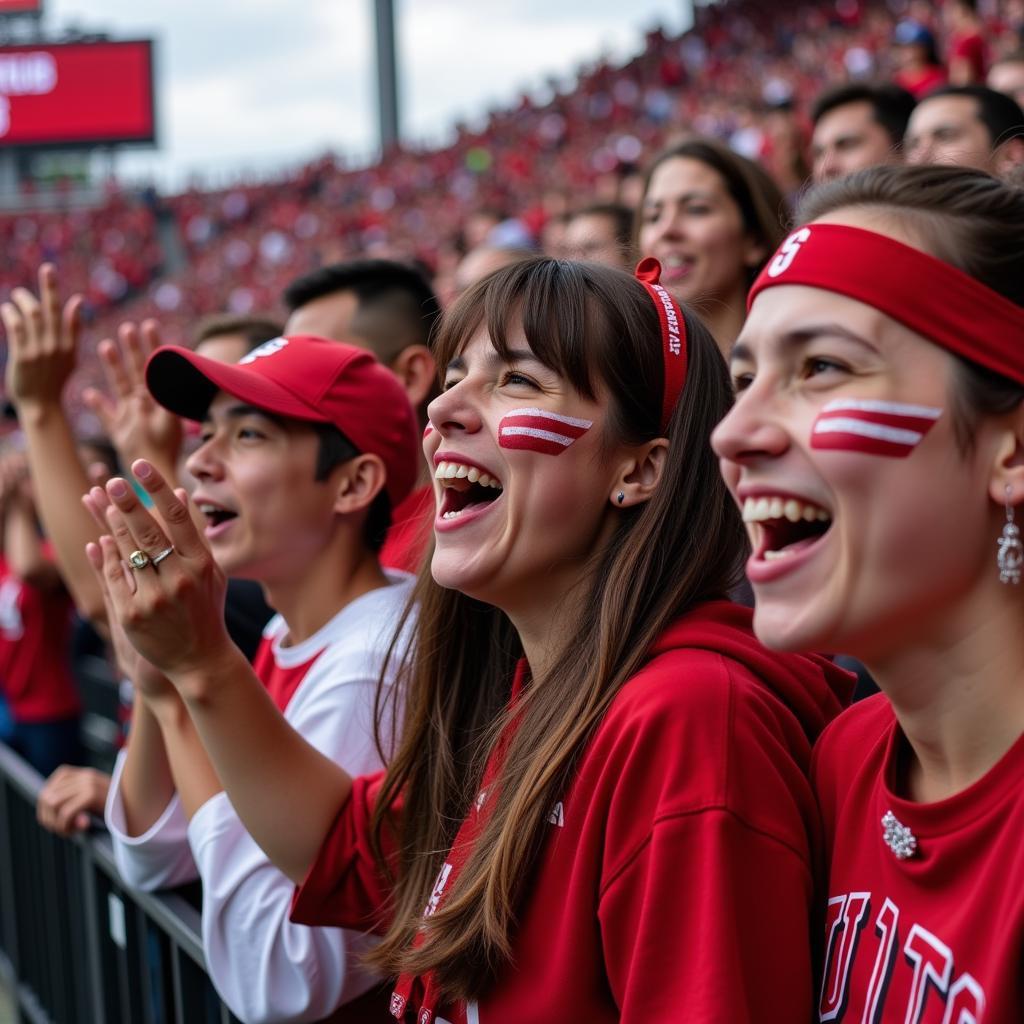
[[784, 526], [465, 489], [215, 515]]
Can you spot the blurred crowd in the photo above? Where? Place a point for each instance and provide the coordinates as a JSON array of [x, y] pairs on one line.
[[693, 152], [746, 74]]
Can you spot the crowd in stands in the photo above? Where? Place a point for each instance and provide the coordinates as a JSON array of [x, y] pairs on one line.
[[698, 153]]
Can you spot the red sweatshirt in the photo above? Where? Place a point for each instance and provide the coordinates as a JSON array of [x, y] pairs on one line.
[[937, 937], [678, 878]]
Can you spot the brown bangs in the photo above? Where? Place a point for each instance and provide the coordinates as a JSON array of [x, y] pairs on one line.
[[548, 298]]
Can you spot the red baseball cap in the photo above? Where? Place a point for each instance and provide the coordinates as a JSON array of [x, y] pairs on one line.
[[302, 378]]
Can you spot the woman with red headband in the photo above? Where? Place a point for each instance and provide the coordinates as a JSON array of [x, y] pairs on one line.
[[598, 807], [881, 387]]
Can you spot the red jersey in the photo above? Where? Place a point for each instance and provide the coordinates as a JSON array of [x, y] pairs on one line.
[[678, 877], [35, 651], [936, 937], [412, 524]]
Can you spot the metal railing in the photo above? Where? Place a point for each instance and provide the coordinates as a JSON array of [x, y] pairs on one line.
[[77, 946]]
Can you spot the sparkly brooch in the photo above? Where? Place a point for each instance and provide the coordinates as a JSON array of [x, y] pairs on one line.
[[898, 837]]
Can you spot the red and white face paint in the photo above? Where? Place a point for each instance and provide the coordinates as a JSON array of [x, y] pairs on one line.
[[538, 430], [872, 427], [427, 430]]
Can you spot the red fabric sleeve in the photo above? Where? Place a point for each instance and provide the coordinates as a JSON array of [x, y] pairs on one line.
[[709, 922], [344, 888]]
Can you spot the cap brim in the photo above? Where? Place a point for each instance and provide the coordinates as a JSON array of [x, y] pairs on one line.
[[186, 384]]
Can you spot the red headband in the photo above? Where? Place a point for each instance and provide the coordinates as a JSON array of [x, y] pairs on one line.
[[929, 296], [673, 335]]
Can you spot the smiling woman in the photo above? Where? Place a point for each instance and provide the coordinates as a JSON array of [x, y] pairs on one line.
[[598, 807], [711, 217], [892, 406]]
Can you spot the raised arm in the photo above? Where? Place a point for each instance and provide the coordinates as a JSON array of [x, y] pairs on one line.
[[41, 351], [173, 613], [23, 546]]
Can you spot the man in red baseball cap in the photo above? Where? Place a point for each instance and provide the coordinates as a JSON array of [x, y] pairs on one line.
[[307, 445]]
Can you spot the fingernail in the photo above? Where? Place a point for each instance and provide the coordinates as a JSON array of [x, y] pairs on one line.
[[143, 470], [118, 488]]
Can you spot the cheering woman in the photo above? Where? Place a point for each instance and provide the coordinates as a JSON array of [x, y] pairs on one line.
[[881, 387]]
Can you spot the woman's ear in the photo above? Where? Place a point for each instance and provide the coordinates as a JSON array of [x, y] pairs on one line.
[[416, 370], [360, 481], [1006, 485], [641, 473], [755, 253]]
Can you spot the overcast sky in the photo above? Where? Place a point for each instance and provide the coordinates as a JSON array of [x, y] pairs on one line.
[[269, 83]]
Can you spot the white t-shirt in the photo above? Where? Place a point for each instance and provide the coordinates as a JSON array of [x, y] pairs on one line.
[[264, 967]]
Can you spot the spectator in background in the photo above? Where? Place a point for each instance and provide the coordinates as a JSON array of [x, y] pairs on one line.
[[917, 59], [390, 309], [479, 262], [969, 126], [227, 337], [967, 52], [35, 633], [1007, 76], [856, 126], [602, 232], [712, 218]]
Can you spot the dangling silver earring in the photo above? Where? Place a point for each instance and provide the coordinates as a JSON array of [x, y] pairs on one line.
[[1011, 550], [620, 497]]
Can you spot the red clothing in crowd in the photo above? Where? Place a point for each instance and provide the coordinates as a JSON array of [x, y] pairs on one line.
[[920, 83], [939, 936], [411, 529], [35, 644], [970, 47], [678, 878]]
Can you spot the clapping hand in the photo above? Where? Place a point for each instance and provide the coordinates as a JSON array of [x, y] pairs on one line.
[[161, 582], [137, 425]]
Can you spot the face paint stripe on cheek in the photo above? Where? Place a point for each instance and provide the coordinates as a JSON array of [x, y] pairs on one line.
[[428, 429], [539, 430], [890, 429]]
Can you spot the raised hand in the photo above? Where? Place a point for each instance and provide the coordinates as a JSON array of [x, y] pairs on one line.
[[137, 426], [41, 341], [148, 681], [171, 611]]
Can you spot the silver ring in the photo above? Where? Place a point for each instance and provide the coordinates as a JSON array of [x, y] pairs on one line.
[[158, 558], [138, 560]]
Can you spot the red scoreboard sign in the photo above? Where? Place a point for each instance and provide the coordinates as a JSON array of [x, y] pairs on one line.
[[76, 94], [20, 6]]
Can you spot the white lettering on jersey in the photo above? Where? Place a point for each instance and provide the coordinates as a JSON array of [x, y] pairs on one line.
[[557, 815], [788, 252], [966, 1002], [933, 964], [930, 960], [885, 928], [268, 348], [845, 918]]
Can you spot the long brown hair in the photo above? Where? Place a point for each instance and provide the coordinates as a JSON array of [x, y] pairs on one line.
[[588, 323]]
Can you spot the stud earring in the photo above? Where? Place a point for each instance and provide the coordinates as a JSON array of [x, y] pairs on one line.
[[1011, 551], [620, 497]]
